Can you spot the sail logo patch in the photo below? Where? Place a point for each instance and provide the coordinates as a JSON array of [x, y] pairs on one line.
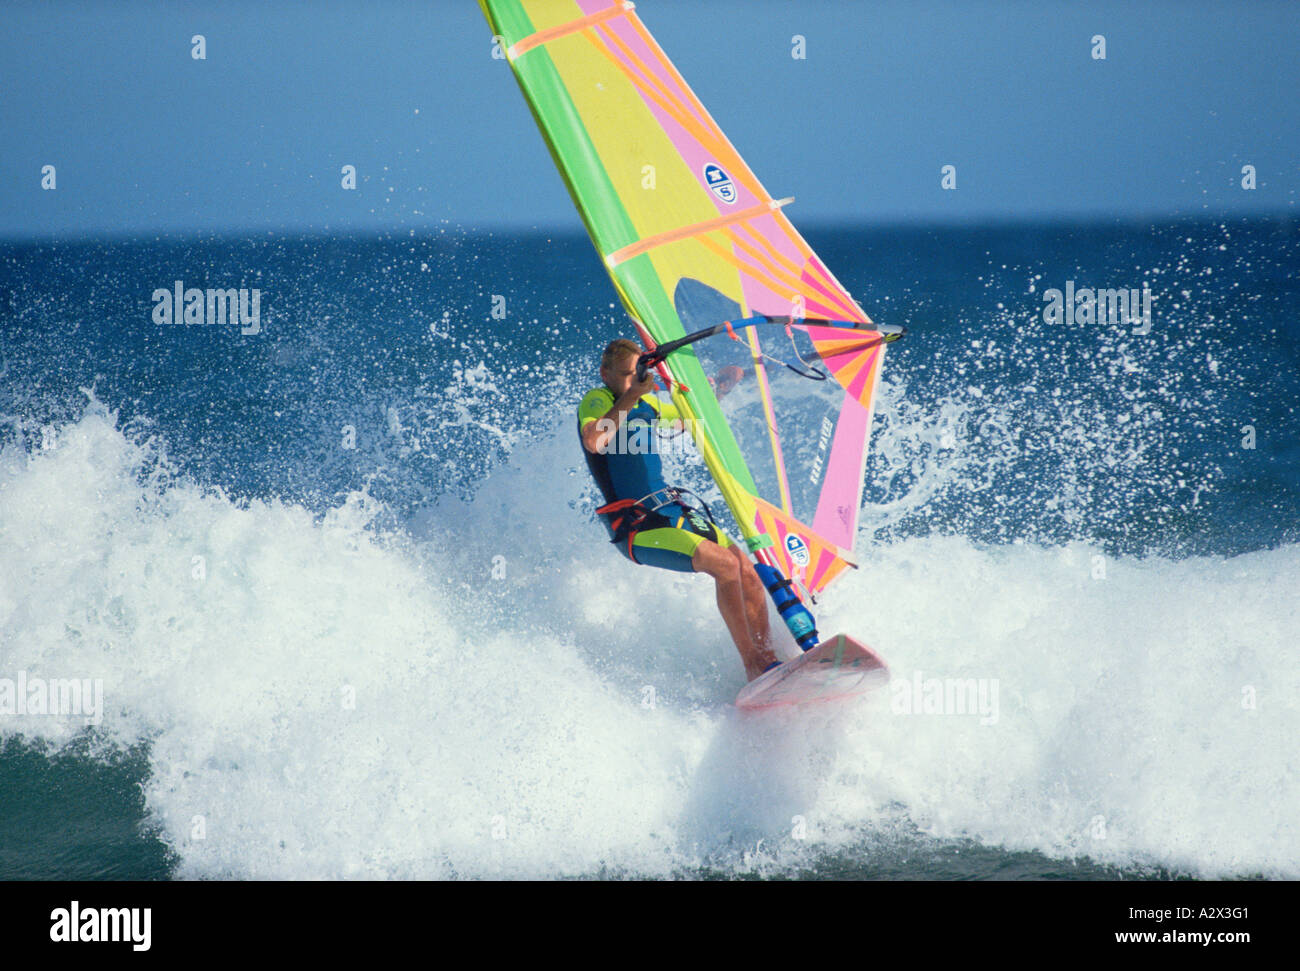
[[719, 183], [797, 549]]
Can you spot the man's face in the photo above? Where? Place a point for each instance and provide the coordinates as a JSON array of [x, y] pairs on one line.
[[620, 375]]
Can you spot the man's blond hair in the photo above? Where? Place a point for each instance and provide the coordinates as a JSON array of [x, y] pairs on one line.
[[616, 350]]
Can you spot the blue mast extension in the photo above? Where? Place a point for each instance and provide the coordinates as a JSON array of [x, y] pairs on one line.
[[797, 617]]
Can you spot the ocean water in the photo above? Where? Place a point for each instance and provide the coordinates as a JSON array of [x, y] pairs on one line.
[[353, 617]]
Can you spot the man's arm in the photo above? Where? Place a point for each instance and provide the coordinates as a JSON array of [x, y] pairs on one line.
[[598, 432]]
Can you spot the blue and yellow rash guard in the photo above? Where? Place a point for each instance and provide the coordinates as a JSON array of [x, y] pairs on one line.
[[630, 469]]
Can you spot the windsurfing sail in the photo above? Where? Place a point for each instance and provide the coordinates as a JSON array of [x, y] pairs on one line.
[[698, 249]]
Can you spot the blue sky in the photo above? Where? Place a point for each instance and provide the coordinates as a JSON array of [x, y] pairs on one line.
[[147, 140]]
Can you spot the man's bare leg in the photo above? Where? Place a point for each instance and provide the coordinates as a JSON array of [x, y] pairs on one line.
[[739, 607], [755, 608]]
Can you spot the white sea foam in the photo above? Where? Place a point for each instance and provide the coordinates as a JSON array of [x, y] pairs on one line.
[[569, 714]]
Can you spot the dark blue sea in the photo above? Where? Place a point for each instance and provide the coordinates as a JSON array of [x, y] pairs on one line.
[[342, 588]]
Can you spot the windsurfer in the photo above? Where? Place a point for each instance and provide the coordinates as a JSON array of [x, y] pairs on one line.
[[656, 525]]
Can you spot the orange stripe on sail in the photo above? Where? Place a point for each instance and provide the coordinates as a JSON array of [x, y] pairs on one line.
[[829, 294], [830, 287], [867, 382], [775, 255], [842, 355], [686, 232], [774, 277], [523, 46], [835, 346], [714, 139], [644, 69], [748, 269], [708, 135], [671, 70], [701, 126], [794, 272], [821, 580], [847, 372]]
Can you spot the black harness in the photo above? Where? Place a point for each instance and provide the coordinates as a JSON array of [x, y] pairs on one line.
[[631, 516]]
